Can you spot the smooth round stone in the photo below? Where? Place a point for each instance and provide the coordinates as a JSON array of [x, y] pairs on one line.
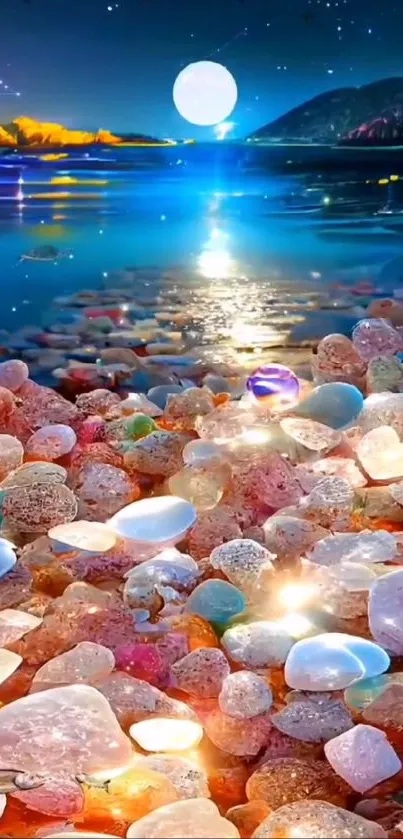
[[86, 662], [160, 521], [202, 487], [385, 610], [273, 380], [91, 536], [365, 547], [166, 734], [216, 600], [336, 404], [139, 402], [8, 664], [159, 394], [13, 374], [381, 454], [11, 454], [313, 720], [317, 820], [374, 337], [14, 624], [37, 472], [51, 442], [201, 453], [333, 661], [245, 695], [363, 757], [256, 645], [139, 426], [194, 818], [363, 693], [314, 436], [7, 557]]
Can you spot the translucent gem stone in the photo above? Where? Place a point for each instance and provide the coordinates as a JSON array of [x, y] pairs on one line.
[[97, 402], [385, 611], [202, 453], [87, 662], [363, 757], [367, 546], [195, 818], [333, 661], [14, 624], [201, 672], [72, 727], [313, 435], [385, 374], [51, 442], [258, 644], [160, 521], [83, 536], [139, 426], [203, 487], [216, 600], [247, 817], [331, 501], [309, 474], [9, 662], [337, 358], [11, 454], [274, 380], [374, 337], [360, 695], [166, 734], [188, 779], [313, 721], [336, 404], [317, 820], [381, 454], [127, 797], [245, 695]]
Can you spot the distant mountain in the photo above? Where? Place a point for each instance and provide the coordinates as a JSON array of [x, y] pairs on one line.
[[27, 132], [353, 115]]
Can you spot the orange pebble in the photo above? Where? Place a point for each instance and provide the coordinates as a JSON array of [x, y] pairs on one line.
[[247, 817], [221, 399]]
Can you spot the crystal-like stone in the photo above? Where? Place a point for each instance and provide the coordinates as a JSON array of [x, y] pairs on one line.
[[333, 661], [196, 817], [313, 721], [317, 820], [258, 644], [363, 757], [87, 662], [245, 695]]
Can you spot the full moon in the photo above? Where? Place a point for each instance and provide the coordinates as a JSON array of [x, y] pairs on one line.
[[205, 93]]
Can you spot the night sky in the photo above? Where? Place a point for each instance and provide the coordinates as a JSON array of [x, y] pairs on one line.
[[112, 64]]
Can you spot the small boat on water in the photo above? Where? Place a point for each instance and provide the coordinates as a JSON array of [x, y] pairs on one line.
[[45, 253]]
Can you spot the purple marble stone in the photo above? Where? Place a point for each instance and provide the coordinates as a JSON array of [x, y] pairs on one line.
[[273, 380]]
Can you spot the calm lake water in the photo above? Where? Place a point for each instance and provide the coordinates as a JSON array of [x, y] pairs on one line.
[[253, 240]]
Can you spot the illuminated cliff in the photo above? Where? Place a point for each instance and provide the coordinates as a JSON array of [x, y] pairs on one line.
[[30, 132], [6, 139]]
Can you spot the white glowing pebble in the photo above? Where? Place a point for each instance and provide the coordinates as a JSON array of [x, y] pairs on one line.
[[84, 536], [7, 557], [139, 402], [194, 818], [14, 624], [166, 735], [3, 802], [333, 661], [8, 664], [160, 521], [381, 454], [201, 453], [205, 93]]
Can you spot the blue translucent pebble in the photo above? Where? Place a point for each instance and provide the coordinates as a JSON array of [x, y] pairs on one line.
[[373, 657], [216, 601], [336, 404], [159, 394], [7, 557], [359, 696]]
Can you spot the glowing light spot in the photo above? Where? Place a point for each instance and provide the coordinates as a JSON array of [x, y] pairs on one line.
[[215, 264], [205, 93], [166, 735], [298, 626], [222, 130], [295, 595]]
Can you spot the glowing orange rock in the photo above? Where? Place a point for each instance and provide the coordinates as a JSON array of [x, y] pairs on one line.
[[247, 817], [195, 817], [127, 798]]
